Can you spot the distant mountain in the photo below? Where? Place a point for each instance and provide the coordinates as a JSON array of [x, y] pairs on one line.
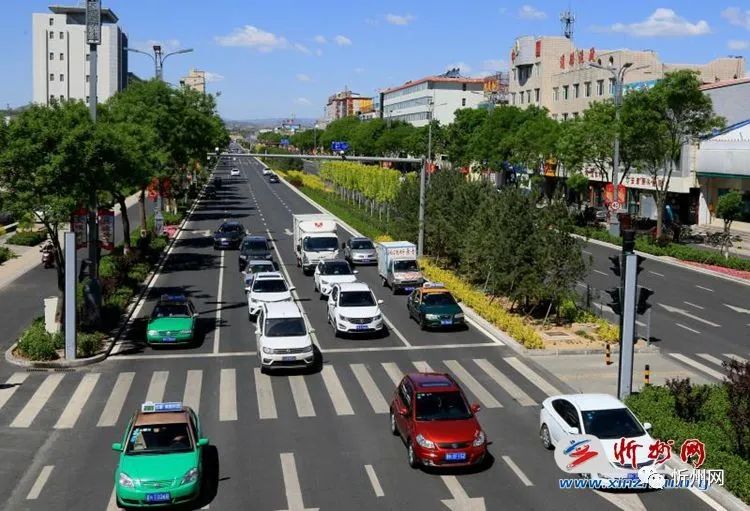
[[269, 122]]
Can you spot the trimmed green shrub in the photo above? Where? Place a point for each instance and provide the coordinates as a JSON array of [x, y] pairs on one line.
[[138, 272], [88, 344], [158, 244], [36, 343], [6, 254], [27, 238]]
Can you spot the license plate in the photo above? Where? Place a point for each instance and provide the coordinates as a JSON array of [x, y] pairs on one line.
[[168, 339], [446, 321], [288, 359], [361, 327], [158, 497], [224, 242], [632, 475], [410, 288], [455, 456]]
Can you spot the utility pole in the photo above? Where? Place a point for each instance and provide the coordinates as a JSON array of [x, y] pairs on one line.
[[159, 57], [422, 185]]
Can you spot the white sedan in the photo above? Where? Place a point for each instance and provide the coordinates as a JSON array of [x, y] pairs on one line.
[[267, 171], [267, 287], [353, 308], [330, 272], [234, 172], [600, 415]]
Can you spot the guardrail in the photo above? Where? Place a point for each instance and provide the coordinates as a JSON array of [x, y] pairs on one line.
[[10, 228]]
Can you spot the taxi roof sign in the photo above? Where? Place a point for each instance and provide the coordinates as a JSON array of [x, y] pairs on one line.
[[151, 407], [173, 298], [430, 285]]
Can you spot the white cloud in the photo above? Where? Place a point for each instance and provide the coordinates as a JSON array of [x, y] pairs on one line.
[[736, 16], [302, 48], [303, 101], [494, 65], [662, 23], [319, 52], [255, 38], [213, 77], [529, 12], [399, 19], [463, 66], [320, 39], [303, 77], [736, 44], [343, 40]]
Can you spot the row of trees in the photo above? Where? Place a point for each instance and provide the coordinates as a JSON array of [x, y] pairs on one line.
[[374, 185], [53, 157]]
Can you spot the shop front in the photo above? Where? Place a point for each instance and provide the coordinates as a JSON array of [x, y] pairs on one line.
[[723, 165]]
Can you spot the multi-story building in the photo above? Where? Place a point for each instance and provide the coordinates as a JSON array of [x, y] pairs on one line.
[[495, 90], [61, 56], [413, 101], [550, 72], [195, 80], [346, 103]]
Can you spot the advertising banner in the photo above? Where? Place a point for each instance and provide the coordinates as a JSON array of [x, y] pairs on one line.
[[80, 226], [107, 229]]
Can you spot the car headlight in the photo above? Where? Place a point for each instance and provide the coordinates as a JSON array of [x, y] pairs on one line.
[[432, 316], [342, 318], [378, 317], [186, 331], [268, 351], [423, 442], [479, 439], [126, 481], [153, 332], [307, 349], [459, 315], [190, 476]]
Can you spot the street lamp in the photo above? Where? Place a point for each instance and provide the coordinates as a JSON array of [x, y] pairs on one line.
[[158, 57], [423, 177], [618, 75], [315, 138]]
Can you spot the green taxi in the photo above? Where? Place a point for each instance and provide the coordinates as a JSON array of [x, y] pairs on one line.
[[433, 306], [172, 321], [161, 457]]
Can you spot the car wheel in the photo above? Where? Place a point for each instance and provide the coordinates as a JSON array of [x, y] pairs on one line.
[[411, 456], [422, 324], [384, 281], [336, 332], [394, 428], [545, 437]]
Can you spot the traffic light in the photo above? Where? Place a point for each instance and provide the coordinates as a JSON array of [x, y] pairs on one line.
[[615, 268], [638, 268], [628, 241], [616, 304], [642, 304]]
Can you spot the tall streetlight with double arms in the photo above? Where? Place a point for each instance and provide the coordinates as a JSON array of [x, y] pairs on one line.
[[158, 57], [423, 178]]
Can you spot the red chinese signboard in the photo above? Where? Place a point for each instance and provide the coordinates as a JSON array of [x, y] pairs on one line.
[[592, 55], [107, 229], [609, 195], [572, 59], [79, 226], [539, 48], [580, 56], [562, 61]]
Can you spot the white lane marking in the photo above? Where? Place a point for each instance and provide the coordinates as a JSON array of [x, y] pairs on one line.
[[706, 499], [505, 383], [41, 480], [288, 232], [264, 390], [710, 358], [228, 395], [77, 401], [395, 330], [657, 274], [461, 500], [701, 367], [694, 305], [26, 416], [292, 487], [373, 394], [600, 272], [487, 334], [476, 388], [683, 312], [687, 328], [738, 309], [640, 323], [112, 505], [301, 395], [12, 384], [394, 373], [336, 391], [374, 481], [116, 400], [525, 480], [623, 501], [738, 358], [586, 252], [532, 376], [217, 327], [191, 396], [422, 366], [704, 288], [157, 386], [581, 284]]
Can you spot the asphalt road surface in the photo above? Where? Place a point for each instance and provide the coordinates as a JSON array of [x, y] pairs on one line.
[[285, 441]]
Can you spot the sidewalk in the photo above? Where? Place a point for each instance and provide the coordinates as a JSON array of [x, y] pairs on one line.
[[741, 229], [29, 257]]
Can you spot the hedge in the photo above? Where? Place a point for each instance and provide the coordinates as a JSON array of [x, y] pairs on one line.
[[6, 254], [27, 238], [36, 343]]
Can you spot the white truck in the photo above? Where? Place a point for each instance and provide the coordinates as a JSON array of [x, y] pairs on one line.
[[314, 239], [397, 265]]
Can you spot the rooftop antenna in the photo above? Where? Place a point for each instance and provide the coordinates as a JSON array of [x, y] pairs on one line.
[[567, 19]]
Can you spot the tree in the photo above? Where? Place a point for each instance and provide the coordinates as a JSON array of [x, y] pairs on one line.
[[664, 119], [729, 209], [304, 140], [405, 224], [579, 184], [460, 132], [340, 130], [269, 138]]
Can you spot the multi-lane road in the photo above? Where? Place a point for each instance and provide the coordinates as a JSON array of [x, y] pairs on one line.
[[284, 441]]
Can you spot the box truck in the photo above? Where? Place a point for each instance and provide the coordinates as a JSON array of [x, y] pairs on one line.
[[397, 265], [314, 239]]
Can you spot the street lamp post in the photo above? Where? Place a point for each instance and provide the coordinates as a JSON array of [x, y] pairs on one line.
[[315, 138], [158, 57]]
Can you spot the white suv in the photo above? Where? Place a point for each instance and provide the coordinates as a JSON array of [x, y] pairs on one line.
[[266, 287], [330, 272], [353, 308], [283, 339]]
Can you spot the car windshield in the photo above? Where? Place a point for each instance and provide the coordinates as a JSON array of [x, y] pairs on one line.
[[269, 286], [171, 310], [159, 439], [255, 268], [255, 245], [405, 266], [285, 327], [362, 245], [357, 299], [336, 268], [441, 406], [611, 424], [230, 228], [319, 244], [439, 299]]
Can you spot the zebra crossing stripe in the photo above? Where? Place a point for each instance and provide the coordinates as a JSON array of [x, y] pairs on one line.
[[511, 388], [336, 391], [373, 394], [264, 391], [228, 395], [116, 400], [157, 386], [422, 367], [532, 376], [77, 401], [301, 396], [11, 385], [192, 395], [37, 401], [476, 388], [394, 373], [710, 358], [701, 367]]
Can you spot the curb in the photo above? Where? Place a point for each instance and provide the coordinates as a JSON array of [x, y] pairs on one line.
[[669, 260], [719, 494], [51, 364]]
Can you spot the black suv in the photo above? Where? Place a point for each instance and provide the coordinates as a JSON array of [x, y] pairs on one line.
[[253, 248], [229, 235]]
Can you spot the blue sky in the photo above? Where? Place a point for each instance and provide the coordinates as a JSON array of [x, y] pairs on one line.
[[271, 58]]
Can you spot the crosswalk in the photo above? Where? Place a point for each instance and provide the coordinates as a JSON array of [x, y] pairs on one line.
[[708, 364], [66, 400]]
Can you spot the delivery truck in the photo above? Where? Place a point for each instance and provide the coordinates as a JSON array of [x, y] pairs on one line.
[[397, 265], [314, 239]]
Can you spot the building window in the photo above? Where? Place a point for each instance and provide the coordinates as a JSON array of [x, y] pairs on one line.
[[51, 21], [51, 77], [565, 91], [88, 56], [612, 86], [536, 95], [512, 98], [587, 89], [463, 102], [521, 96], [87, 78], [514, 73], [576, 90], [62, 35], [87, 98], [51, 35], [62, 77], [62, 56], [556, 94], [51, 56], [575, 115], [554, 117], [599, 87], [463, 87], [565, 117]]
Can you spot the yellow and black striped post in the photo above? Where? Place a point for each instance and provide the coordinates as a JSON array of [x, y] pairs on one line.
[[647, 375], [608, 355]]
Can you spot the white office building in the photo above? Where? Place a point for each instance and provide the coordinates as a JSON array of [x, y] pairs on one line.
[[61, 56], [449, 92]]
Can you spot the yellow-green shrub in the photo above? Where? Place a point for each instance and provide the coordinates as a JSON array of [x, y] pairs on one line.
[[382, 238], [607, 331], [308, 180], [495, 313]]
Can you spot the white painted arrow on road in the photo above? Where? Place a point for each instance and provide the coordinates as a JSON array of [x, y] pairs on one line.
[[288, 232], [738, 309], [461, 501], [291, 484], [685, 313]]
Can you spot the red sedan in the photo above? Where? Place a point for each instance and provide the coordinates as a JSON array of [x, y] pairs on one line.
[[430, 413]]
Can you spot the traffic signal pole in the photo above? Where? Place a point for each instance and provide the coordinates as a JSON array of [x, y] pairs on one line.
[[627, 326]]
